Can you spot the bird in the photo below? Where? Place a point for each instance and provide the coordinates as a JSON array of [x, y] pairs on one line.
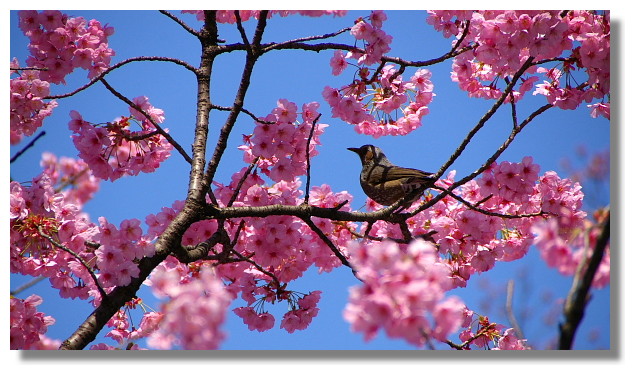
[[386, 183]]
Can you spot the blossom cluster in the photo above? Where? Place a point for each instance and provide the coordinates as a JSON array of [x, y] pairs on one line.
[[27, 325], [502, 41], [283, 246], [51, 236], [279, 141], [27, 106], [59, 44], [376, 41], [72, 175], [301, 312], [114, 150], [383, 102], [228, 16], [480, 332], [403, 292], [38, 209], [565, 249], [372, 104], [124, 332], [202, 299]]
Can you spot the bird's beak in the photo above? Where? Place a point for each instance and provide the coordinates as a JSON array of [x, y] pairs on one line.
[[355, 150]]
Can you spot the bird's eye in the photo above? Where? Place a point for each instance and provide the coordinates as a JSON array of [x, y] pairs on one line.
[[369, 155]]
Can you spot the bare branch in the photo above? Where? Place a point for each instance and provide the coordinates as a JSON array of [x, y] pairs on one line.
[[243, 110], [484, 119], [282, 45], [185, 26], [28, 146], [27, 285], [119, 65]]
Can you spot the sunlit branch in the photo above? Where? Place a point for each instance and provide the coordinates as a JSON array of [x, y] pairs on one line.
[[239, 99]]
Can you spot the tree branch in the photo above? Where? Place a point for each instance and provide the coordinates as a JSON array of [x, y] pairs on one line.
[[579, 294], [245, 81], [119, 65], [161, 131], [308, 160], [185, 26], [328, 242], [102, 292], [28, 146]]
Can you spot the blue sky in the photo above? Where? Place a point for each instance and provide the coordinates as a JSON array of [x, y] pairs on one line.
[[300, 77]]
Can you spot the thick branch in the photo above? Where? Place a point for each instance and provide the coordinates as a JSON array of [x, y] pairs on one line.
[[239, 100]]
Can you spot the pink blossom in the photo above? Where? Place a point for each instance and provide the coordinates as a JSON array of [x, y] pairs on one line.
[[204, 300], [260, 322], [338, 63]]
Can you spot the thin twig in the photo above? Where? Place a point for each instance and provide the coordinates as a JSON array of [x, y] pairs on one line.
[[119, 65], [103, 294], [475, 207], [243, 110], [28, 146], [26, 286], [512, 102], [467, 342], [185, 26], [243, 34], [167, 136], [241, 182], [308, 159], [304, 39], [328, 242]]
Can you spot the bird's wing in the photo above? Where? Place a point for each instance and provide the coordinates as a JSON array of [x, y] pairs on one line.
[[392, 173]]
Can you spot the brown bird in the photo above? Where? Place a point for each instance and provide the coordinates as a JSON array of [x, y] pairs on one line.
[[386, 183]]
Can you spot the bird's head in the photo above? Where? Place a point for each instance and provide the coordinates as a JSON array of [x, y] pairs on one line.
[[370, 154]]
